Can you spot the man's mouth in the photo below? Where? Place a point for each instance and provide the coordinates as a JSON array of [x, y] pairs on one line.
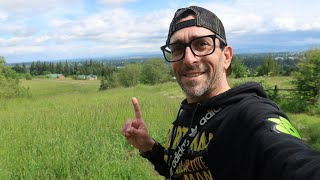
[[193, 74]]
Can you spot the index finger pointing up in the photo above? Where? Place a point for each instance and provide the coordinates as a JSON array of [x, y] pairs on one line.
[[136, 108]]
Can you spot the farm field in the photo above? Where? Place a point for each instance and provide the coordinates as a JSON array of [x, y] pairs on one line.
[[67, 129]]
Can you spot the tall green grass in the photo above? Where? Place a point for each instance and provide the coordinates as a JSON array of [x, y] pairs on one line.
[[67, 129]]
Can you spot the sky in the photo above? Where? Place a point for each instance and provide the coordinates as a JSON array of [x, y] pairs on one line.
[[38, 30]]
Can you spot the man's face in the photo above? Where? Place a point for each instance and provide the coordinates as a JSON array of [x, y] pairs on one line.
[[198, 76]]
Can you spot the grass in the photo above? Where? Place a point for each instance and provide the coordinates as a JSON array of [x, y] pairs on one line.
[[67, 129]]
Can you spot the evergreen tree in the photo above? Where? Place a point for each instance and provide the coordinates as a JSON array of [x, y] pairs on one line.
[[33, 68], [59, 68]]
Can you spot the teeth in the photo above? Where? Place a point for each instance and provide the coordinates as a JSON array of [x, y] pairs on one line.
[[193, 75]]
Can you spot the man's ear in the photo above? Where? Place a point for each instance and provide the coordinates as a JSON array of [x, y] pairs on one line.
[[228, 56]]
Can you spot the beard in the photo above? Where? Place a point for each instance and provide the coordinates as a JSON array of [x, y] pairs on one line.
[[204, 86]]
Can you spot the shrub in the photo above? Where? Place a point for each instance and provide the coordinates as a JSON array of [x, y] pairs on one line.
[[307, 77], [28, 76], [9, 82]]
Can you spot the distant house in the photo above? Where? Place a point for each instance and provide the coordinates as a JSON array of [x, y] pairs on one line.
[[89, 77], [54, 76], [81, 77]]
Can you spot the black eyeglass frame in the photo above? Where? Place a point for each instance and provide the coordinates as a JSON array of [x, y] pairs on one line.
[[213, 36]]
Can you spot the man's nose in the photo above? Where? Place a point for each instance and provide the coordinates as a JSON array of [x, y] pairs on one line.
[[189, 57]]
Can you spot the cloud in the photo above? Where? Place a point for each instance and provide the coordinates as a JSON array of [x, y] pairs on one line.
[[22, 6], [59, 28], [242, 17], [115, 2], [116, 30], [105, 27]]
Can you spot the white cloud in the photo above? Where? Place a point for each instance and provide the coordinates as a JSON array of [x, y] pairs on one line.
[[33, 5], [66, 28], [115, 2], [259, 16]]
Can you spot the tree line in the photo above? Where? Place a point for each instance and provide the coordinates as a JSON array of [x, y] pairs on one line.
[[71, 68], [305, 68]]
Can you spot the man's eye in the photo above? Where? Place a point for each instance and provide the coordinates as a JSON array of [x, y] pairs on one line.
[[202, 44], [176, 49]]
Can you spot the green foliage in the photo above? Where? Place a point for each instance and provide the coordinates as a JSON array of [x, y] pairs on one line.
[[239, 69], [269, 68], [294, 104], [155, 71], [129, 75], [28, 76], [69, 130], [20, 69], [107, 83], [309, 128], [307, 77], [9, 82]]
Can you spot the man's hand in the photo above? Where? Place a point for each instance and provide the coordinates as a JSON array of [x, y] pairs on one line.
[[136, 132]]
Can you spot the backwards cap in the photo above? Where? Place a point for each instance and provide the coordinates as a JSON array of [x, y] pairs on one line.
[[204, 18]]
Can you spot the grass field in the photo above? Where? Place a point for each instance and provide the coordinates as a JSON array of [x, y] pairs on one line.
[[67, 129]]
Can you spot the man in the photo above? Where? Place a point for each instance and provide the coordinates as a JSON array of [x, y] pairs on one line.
[[219, 133]]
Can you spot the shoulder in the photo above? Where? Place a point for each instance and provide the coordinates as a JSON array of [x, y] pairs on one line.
[[262, 113]]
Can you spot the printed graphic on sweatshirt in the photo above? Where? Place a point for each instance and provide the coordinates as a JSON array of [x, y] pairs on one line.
[[284, 126], [191, 168]]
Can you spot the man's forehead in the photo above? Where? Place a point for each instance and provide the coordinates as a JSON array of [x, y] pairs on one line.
[[189, 33]]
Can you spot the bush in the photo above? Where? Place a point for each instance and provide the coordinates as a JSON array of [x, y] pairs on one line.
[[9, 82], [129, 75], [239, 69], [307, 77], [155, 71], [107, 83], [28, 76]]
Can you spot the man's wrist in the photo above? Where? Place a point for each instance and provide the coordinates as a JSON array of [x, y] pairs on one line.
[[149, 152], [149, 146]]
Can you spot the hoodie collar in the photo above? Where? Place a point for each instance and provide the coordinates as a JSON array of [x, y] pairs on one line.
[[231, 96]]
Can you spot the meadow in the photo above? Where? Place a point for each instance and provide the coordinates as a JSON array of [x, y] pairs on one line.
[[67, 129]]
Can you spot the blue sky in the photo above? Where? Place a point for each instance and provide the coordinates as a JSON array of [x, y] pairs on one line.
[[58, 29]]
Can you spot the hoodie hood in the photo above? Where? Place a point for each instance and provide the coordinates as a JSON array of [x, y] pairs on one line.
[[231, 96]]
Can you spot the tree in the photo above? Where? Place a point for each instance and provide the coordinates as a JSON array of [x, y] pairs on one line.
[[51, 67], [239, 69], [108, 70], [59, 68], [9, 82], [307, 77], [107, 83], [17, 68], [129, 75], [33, 68], [270, 67], [155, 71], [66, 69]]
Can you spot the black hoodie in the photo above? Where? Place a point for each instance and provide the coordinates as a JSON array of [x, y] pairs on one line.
[[245, 136]]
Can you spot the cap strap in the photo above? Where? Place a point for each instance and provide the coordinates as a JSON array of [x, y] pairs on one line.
[[184, 24]]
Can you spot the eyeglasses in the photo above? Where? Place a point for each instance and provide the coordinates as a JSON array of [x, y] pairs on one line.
[[200, 46]]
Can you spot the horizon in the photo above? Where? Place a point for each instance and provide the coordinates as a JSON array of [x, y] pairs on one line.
[[77, 29]]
